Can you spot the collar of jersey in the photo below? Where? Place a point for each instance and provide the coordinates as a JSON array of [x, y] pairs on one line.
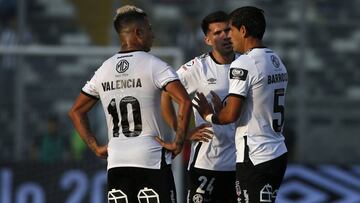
[[213, 58], [124, 52], [248, 51]]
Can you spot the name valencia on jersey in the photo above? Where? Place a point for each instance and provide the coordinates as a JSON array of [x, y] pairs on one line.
[[121, 84]]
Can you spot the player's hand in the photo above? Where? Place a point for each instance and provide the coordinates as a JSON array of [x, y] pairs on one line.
[[174, 147], [202, 106], [216, 101], [201, 133], [102, 152]]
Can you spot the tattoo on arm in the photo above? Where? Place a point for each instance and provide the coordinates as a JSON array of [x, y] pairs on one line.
[[89, 139], [180, 132]]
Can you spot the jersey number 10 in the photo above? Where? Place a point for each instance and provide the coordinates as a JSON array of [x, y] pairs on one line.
[[125, 125]]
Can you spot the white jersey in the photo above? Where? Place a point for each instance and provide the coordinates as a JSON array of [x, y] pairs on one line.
[[129, 86], [261, 77], [203, 74]]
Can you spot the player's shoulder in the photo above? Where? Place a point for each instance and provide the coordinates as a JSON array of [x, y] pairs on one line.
[[108, 62], [243, 61], [151, 57], [195, 63], [241, 67], [151, 60]]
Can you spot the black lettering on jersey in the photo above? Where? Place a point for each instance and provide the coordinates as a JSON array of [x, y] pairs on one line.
[[121, 84], [281, 77], [238, 73], [106, 86], [138, 83]]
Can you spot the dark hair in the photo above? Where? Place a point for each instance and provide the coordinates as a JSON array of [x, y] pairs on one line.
[[218, 16], [121, 20], [252, 18]]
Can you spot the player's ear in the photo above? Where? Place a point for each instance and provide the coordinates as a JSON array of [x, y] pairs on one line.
[[244, 31], [138, 32], [207, 41]]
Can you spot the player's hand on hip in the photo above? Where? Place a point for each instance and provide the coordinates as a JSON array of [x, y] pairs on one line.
[[102, 152], [174, 147], [202, 106], [201, 133]]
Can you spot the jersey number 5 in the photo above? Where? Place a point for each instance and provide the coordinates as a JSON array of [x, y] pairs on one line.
[[125, 125], [277, 126]]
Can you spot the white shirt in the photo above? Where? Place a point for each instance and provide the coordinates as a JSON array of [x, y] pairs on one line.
[[261, 77], [203, 74], [133, 80]]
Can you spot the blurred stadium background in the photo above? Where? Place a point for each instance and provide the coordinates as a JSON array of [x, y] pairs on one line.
[[48, 49]]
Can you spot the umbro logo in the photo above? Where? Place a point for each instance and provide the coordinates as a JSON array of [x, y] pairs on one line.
[[211, 81], [122, 66]]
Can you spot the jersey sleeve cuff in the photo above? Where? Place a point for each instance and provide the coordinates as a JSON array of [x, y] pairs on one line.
[[235, 95], [168, 82], [89, 95]]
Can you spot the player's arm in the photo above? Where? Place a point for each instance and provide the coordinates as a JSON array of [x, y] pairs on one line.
[[168, 110], [180, 96], [228, 114], [79, 117], [199, 133]]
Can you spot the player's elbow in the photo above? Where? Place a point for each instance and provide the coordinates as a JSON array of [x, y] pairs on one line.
[[232, 118], [186, 102], [71, 114]]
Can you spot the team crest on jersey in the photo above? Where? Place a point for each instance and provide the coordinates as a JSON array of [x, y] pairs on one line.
[[238, 73], [122, 66], [275, 61], [198, 198]]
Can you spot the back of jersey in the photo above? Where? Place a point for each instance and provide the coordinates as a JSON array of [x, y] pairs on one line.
[[261, 77], [129, 85]]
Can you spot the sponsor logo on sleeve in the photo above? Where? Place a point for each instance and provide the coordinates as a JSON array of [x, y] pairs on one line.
[[275, 61], [238, 73], [190, 63]]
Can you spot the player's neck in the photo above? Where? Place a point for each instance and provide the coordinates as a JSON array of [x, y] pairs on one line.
[[222, 58], [252, 43], [129, 44], [132, 48]]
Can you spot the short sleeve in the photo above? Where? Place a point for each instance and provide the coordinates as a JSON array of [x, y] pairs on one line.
[[90, 87], [240, 76], [163, 74], [189, 76]]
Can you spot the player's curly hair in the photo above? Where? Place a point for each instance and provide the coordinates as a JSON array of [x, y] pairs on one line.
[[252, 18], [127, 14]]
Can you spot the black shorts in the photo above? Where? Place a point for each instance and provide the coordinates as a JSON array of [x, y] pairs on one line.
[[259, 183], [210, 186], [138, 185]]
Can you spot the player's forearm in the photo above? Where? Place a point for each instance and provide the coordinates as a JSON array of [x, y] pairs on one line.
[[183, 121], [82, 125], [230, 113], [168, 110], [225, 116]]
